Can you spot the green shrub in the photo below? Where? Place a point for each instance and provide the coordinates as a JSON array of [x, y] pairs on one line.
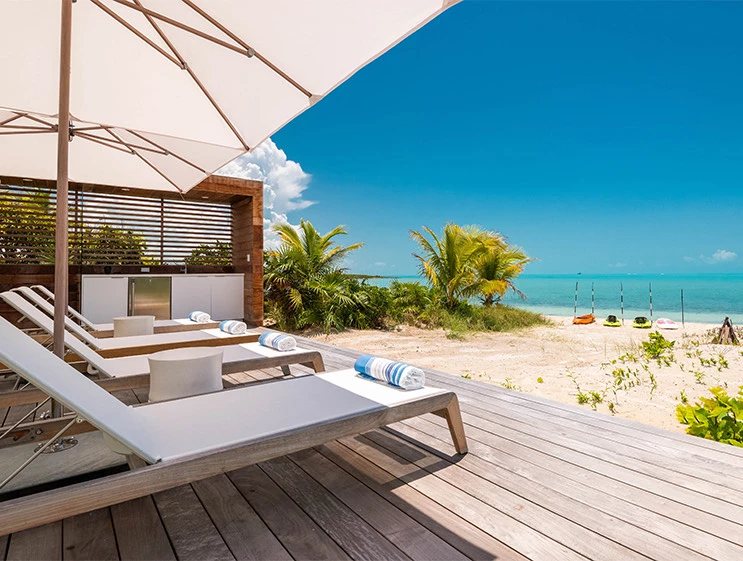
[[658, 348], [717, 418]]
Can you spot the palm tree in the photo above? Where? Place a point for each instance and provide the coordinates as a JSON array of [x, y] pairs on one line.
[[304, 280], [497, 270], [448, 262]]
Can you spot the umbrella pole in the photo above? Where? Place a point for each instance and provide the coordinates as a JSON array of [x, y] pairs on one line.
[[63, 152]]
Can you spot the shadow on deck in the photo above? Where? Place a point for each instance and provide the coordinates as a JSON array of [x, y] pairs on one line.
[[542, 480]]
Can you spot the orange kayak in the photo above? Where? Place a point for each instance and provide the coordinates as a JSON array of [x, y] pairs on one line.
[[582, 320]]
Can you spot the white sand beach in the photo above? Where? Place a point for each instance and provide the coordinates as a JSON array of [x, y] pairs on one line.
[[567, 357]]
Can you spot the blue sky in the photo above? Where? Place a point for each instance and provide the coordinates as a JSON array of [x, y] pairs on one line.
[[600, 136]]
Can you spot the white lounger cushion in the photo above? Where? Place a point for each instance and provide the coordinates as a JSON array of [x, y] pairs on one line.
[[133, 365], [185, 427], [43, 321]]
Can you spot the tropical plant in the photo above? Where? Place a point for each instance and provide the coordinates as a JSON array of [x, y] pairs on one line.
[[497, 270], [305, 284], [216, 254], [448, 261], [106, 245], [27, 224], [717, 418]]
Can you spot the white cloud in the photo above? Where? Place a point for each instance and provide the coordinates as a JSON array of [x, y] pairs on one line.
[[618, 265], [719, 256], [722, 255], [284, 182], [380, 264]]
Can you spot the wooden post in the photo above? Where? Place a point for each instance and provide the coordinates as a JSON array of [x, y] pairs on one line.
[[247, 252], [61, 259]]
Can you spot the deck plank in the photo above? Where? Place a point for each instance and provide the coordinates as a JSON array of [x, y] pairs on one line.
[[490, 455], [43, 542], [189, 527], [411, 537], [353, 533], [89, 536], [457, 531], [137, 518], [241, 528], [517, 535], [298, 533]]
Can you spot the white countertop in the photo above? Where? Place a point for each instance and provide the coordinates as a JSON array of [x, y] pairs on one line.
[[124, 276]]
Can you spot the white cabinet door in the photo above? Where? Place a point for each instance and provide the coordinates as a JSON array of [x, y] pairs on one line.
[[104, 298], [227, 297], [189, 294]]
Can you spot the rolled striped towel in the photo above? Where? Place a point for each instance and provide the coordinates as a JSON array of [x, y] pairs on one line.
[[200, 317], [395, 373], [279, 341], [233, 327]]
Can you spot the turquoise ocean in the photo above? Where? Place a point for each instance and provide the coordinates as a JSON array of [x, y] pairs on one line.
[[707, 298]]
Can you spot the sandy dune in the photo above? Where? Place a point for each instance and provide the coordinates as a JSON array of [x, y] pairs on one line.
[[570, 359]]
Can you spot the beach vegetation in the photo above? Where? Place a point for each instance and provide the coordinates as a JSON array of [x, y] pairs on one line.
[[307, 287], [448, 260], [305, 283], [463, 262], [509, 384], [540, 380], [658, 348], [719, 417]]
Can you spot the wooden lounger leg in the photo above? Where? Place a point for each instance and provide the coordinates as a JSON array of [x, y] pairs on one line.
[[285, 370], [317, 364], [453, 417]]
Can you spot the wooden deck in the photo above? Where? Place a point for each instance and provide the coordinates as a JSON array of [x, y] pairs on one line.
[[542, 481]]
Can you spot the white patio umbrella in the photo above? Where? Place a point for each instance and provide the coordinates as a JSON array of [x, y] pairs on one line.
[[158, 94]]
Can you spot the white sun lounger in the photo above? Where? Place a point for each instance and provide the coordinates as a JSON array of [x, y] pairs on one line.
[[124, 346], [197, 437], [43, 294], [235, 358]]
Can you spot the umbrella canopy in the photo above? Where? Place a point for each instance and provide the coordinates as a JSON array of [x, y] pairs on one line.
[[203, 80], [158, 94]]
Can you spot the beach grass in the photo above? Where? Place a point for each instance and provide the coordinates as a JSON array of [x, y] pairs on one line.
[[499, 318]]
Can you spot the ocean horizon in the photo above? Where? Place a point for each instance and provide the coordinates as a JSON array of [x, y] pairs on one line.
[[708, 298]]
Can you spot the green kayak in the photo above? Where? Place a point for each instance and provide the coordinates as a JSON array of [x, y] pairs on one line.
[[642, 322], [612, 321]]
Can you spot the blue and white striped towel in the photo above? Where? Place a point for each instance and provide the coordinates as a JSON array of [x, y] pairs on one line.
[[233, 327], [279, 341], [200, 317], [394, 373]]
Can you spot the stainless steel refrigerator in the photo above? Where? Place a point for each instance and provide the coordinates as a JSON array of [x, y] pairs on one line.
[[149, 296]]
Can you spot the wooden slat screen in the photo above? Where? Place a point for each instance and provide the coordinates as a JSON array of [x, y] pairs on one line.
[[108, 229]]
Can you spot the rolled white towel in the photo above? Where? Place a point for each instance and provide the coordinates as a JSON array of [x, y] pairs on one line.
[[279, 341], [200, 317], [394, 373], [233, 327]]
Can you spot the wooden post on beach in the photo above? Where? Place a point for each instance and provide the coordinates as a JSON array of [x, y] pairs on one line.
[[621, 299], [682, 307], [575, 304], [650, 288], [592, 300]]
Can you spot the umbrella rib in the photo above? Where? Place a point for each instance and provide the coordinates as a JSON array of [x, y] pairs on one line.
[[191, 73], [40, 131], [247, 47], [129, 145], [134, 30], [103, 143], [11, 119], [26, 127], [145, 160], [183, 26], [42, 121], [169, 152]]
